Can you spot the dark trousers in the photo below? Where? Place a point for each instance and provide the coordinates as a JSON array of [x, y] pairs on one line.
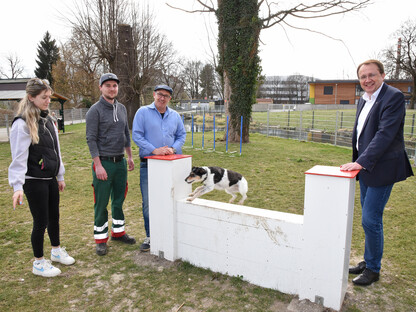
[[43, 199]]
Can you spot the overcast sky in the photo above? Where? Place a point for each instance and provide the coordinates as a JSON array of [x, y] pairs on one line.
[[283, 51]]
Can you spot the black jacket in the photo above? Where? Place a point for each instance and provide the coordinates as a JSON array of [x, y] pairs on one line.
[[44, 160]]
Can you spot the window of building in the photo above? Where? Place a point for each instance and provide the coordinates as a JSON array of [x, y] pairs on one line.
[[344, 102], [328, 90], [358, 90]]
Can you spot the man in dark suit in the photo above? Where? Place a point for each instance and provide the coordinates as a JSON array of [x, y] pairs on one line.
[[380, 155]]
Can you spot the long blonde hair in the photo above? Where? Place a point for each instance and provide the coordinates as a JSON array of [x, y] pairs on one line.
[[28, 110]]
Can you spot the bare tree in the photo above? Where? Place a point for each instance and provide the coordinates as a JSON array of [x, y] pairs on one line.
[[15, 67], [128, 43], [400, 59], [170, 74], [76, 73], [191, 75], [155, 52], [97, 20], [239, 27], [270, 87], [298, 89]]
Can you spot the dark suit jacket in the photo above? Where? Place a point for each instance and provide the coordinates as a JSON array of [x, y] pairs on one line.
[[381, 148]]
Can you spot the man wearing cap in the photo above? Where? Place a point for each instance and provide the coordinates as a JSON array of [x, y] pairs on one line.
[[157, 130], [108, 137]]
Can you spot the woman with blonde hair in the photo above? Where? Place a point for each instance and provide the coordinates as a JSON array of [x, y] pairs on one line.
[[37, 170]]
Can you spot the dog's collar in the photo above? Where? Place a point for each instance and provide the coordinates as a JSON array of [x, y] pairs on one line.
[[206, 177]]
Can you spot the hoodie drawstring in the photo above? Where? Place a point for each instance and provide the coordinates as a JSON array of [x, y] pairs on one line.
[[115, 117]]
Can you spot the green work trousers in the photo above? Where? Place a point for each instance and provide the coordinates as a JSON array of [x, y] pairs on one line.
[[115, 187]]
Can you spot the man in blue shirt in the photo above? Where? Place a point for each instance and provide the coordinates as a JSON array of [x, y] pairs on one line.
[[157, 130]]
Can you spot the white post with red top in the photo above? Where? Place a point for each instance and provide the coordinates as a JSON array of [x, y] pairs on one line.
[[166, 176], [328, 217]]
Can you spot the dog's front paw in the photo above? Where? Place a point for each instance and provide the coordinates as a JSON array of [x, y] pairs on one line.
[[190, 199]]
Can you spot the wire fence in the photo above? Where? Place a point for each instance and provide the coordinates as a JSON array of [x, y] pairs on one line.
[[324, 126], [301, 122]]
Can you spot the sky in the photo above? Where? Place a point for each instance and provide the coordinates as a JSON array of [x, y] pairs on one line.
[[356, 36]]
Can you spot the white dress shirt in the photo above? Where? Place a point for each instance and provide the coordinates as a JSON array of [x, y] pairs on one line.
[[369, 102]]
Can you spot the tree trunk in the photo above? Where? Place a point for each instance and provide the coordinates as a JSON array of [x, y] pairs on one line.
[[126, 70], [239, 65], [413, 96]]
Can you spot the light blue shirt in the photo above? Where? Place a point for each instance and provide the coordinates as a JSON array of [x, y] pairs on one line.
[[151, 131]]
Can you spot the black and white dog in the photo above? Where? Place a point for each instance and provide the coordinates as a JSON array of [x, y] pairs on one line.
[[217, 178]]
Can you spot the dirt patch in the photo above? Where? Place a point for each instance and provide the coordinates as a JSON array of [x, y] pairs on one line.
[[146, 259]]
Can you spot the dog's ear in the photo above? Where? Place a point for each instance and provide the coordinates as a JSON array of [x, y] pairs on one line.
[[200, 171]]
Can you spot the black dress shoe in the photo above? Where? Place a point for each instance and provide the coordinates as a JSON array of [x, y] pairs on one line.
[[124, 239], [358, 269], [366, 278]]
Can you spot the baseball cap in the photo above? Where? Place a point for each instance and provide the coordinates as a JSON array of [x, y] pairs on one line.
[[164, 87], [108, 76]]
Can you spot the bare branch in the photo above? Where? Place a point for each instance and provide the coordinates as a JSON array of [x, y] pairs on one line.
[[322, 34], [15, 67], [207, 8], [316, 10]]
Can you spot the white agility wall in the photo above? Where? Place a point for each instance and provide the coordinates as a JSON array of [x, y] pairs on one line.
[[307, 255]]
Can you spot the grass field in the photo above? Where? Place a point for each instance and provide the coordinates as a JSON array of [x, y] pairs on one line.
[[127, 280]]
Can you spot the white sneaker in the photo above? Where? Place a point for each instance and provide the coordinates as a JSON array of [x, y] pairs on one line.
[[60, 255], [45, 268]]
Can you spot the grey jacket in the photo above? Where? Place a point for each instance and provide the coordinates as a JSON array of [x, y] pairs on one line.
[[107, 129]]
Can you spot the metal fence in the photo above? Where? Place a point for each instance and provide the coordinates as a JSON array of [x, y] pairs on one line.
[[328, 124], [325, 125]]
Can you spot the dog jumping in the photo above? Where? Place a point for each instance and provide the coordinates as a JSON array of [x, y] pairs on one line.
[[220, 179]]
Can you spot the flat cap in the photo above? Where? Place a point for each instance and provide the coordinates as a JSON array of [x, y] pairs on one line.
[[164, 87], [108, 76]]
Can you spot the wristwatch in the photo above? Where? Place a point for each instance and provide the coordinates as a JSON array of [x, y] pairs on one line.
[[174, 150]]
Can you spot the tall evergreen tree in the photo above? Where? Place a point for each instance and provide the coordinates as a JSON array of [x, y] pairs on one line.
[[48, 55]]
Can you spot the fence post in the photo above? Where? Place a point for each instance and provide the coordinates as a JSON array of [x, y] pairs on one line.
[[313, 118], [413, 124], [268, 119], [192, 130], [336, 128], [203, 130], [300, 125], [7, 126], [288, 117], [214, 131]]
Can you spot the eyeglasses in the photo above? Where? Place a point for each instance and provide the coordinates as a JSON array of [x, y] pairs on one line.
[[166, 96], [370, 76]]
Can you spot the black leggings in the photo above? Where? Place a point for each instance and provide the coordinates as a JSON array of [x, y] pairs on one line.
[[43, 199]]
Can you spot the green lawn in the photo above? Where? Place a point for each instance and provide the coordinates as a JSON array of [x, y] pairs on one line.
[[127, 280]]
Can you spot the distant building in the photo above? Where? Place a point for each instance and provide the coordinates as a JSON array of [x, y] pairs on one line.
[[348, 91], [285, 89]]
